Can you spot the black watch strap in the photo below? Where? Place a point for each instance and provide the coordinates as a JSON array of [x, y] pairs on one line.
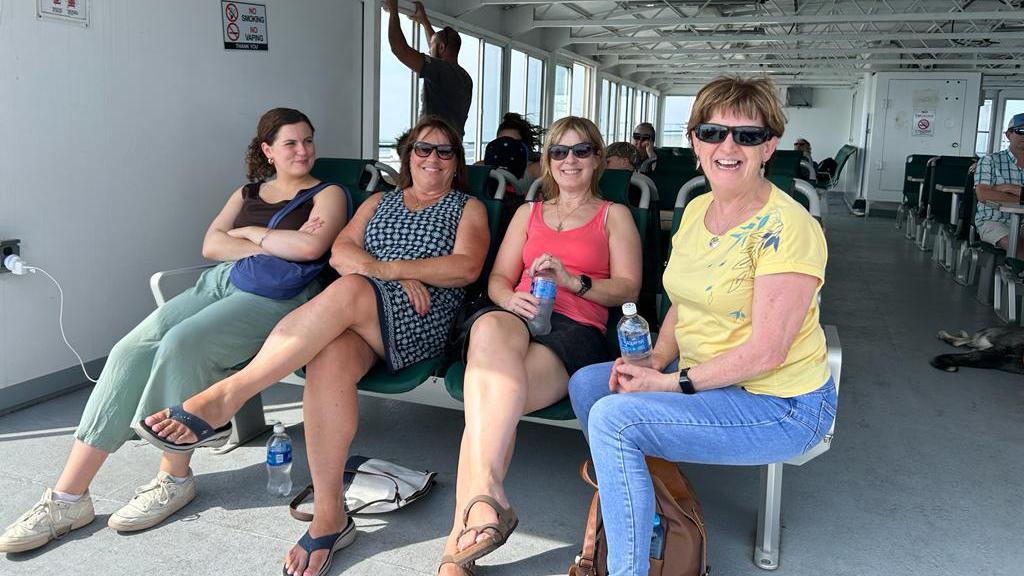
[[585, 284], [685, 384]]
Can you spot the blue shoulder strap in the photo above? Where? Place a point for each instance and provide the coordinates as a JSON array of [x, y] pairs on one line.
[[300, 199]]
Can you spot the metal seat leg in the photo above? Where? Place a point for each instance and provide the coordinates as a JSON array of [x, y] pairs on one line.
[[769, 518]]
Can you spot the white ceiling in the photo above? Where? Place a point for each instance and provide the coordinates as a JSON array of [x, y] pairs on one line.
[[667, 43]]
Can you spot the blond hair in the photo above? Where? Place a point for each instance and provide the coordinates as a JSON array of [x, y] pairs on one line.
[[589, 132], [751, 97]]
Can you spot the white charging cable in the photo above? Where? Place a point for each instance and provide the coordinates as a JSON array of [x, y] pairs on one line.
[[16, 265]]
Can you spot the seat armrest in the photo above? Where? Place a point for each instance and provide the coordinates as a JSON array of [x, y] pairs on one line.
[[156, 279]]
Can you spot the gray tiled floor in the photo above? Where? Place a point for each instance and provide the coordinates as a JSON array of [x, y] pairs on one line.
[[924, 477]]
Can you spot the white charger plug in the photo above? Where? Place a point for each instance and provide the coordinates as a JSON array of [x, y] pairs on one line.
[[15, 264]]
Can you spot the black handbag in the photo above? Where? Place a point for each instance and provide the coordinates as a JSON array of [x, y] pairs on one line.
[[458, 335]]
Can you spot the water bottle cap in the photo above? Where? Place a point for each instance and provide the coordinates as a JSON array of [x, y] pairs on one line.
[[629, 309], [278, 428]]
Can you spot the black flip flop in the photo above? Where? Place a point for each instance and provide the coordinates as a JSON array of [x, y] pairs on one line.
[[206, 435], [332, 542]]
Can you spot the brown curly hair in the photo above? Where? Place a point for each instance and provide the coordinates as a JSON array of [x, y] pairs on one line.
[[257, 166]]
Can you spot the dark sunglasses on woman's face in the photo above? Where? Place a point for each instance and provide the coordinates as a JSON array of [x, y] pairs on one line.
[[742, 135], [561, 151], [641, 137], [423, 150]]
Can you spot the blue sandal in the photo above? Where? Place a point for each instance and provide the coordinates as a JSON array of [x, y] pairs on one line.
[[332, 542], [206, 435]]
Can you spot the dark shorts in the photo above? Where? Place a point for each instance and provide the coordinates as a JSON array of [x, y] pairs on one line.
[[575, 344]]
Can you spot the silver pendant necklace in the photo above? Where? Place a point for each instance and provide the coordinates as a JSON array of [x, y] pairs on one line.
[[716, 239]]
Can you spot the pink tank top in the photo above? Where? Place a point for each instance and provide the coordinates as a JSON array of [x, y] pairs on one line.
[[582, 250]]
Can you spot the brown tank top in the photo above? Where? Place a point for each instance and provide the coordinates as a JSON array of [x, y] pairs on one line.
[[256, 212]]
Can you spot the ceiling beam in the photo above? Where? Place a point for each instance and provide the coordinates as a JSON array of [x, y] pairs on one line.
[[625, 55], [763, 19], [792, 38], [655, 65]]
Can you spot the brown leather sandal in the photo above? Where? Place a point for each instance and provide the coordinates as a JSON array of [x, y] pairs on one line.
[[469, 570], [499, 531]]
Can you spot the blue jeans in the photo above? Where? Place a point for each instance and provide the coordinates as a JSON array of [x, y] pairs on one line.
[[721, 426]]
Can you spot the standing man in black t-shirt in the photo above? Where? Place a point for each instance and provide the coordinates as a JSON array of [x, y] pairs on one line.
[[447, 87]]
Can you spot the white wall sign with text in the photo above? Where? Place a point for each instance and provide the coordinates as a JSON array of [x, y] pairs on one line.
[[244, 26], [924, 124], [73, 11]]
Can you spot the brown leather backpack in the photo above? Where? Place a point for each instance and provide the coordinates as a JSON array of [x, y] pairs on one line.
[[686, 545]]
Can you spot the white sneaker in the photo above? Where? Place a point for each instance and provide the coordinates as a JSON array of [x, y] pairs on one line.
[[47, 520], [153, 503]]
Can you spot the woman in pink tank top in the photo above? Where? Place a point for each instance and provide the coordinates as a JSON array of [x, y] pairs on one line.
[[591, 248]]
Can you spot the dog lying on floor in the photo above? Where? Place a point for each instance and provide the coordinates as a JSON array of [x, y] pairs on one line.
[[1000, 348]]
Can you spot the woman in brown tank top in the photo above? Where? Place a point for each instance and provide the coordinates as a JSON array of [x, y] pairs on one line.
[[196, 338]]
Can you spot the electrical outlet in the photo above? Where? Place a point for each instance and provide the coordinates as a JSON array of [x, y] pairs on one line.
[[8, 247]]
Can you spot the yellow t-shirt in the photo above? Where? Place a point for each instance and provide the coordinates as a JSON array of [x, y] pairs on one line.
[[713, 288]]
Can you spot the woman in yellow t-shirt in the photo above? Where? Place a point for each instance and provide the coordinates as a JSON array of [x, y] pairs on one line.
[[739, 374]]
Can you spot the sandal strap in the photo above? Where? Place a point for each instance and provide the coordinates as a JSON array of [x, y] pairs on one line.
[[201, 428], [310, 544], [499, 510]]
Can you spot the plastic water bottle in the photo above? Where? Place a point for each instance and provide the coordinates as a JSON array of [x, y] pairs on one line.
[[658, 538], [544, 288], [634, 337], [279, 462]]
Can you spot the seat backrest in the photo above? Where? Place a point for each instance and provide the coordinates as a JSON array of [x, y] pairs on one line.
[[946, 171], [914, 168], [844, 154], [669, 181], [784, 163], [968, 204], [351, 173], [480, 181], [614, 185]]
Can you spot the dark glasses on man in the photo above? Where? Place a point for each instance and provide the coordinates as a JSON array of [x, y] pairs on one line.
[[1019, 130], [742, 135], [423, 150], [561, 151], [641, 137]]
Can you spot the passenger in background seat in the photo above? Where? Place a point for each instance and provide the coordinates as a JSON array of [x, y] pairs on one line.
[[621, 156], [739, 374], [195, 338], [643, 138], [447, 87], [404, 261], [999, 177], [592, 249]]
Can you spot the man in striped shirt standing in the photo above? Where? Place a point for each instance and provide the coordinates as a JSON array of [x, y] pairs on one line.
[[1000, 177]]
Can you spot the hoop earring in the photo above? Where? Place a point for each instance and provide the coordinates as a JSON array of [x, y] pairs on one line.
[[270, 161]]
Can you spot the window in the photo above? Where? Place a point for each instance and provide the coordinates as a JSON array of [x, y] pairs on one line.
[[490, 114], [526, 82], [581, 99], [984, 128], [563, 81], [399, 98], [623, 114], [1013, 107], [606, 107], [469, 59], [677, 116]]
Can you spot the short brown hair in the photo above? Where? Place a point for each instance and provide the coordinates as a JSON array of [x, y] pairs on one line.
[[427, 122], [753, 97], [622, 150], [257, 166], [586, 129]]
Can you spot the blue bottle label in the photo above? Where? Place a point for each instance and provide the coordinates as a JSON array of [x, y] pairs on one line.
[[543, 288], [635, 344], [278, 456]]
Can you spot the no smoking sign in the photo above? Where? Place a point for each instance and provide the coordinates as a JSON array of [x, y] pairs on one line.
[[244, 26]]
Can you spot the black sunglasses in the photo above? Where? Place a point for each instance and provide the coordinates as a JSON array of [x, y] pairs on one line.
[[1019, 130], [561, 151], [642, 137], [742, 135], [423, 150]]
